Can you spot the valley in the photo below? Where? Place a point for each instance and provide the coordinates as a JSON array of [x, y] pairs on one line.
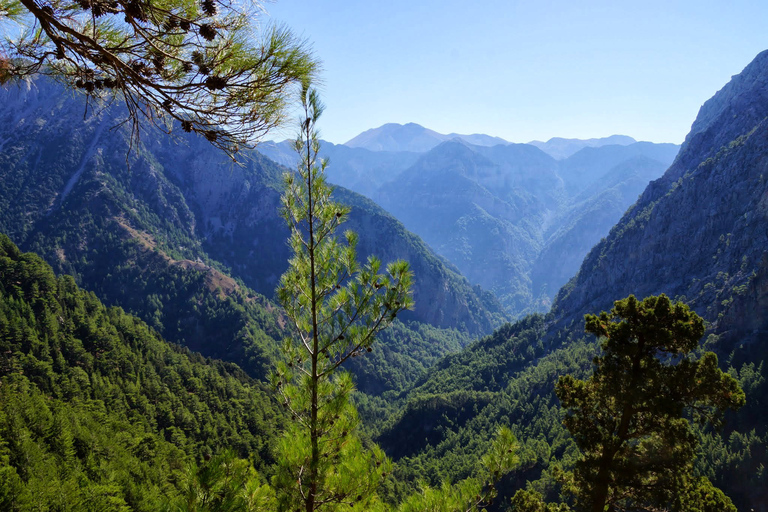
[[139, 327], [512, 218]]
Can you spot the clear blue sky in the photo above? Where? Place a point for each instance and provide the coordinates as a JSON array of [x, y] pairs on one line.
[[524, 70]]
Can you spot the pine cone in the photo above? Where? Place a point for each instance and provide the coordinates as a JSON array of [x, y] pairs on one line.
[[209, 7], [207, 32], [215, 82]]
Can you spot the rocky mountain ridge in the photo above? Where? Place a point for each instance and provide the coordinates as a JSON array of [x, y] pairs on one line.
[[192, 243], [713, 197], [513, 219]]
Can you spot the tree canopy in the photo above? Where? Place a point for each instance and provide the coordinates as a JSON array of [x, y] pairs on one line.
[[337, 307], [630, 418], [203, 65]]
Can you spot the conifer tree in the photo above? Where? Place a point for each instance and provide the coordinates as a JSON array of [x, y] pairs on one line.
[[201, 63], [629, 418], [336, 307], [223, 484]]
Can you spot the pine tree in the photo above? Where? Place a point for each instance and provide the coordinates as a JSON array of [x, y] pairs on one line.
[[223, 484], [203, 64], [336, 307], [629, 417]]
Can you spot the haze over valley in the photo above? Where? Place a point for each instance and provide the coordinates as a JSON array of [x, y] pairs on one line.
[[190, 329], [515, 219]]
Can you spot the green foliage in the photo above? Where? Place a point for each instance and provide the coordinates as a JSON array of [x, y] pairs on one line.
[[473, 493], [336, 307], [405, 352], [490, 362], [443, 436], [526, 500], [627, 419], [97, 412], [699, 495], [223, 484], [203, 64]]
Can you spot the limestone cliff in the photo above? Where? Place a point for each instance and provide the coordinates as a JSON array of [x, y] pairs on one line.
[[700, 232]]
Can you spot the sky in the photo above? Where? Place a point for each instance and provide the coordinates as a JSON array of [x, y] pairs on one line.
[[524, 70]]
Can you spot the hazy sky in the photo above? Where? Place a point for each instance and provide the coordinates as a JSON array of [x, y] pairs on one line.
[[525, 70]]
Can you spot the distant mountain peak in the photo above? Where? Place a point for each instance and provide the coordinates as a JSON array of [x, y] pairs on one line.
[[413, 137], [561, 148]]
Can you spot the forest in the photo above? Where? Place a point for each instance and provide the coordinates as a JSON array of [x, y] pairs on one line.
[[187, 325]]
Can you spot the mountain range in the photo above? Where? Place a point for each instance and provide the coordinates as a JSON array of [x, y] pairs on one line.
[[193, 245], [697, 234], [513, 219], [190, 243], [560, 148]]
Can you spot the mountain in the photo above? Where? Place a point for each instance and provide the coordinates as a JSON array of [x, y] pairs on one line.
[[412, 137], [588, 218], [476, 206], [71, 192], [584, 169], [357, 169], [699, 234], [560, 148], [191, 243], [508, 229], [513, 219]]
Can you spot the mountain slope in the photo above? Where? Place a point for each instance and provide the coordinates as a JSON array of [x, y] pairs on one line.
[[475, 206], [590, 217], [699, 230], [582, 171], [191, 243], [413, 138], [96, 411]]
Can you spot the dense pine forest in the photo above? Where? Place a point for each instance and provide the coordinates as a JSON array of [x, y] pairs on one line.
[[426, 323], [98, 412]]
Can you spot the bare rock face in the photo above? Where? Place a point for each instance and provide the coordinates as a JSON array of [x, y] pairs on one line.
[[700, 232]]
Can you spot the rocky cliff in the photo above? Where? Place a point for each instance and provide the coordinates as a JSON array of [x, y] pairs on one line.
[[699, 232]]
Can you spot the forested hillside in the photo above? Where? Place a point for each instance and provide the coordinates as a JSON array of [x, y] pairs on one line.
[[96, 411], [698, 235], [190, 242]]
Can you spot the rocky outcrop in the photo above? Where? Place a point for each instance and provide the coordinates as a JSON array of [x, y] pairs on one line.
[[700, 231]]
